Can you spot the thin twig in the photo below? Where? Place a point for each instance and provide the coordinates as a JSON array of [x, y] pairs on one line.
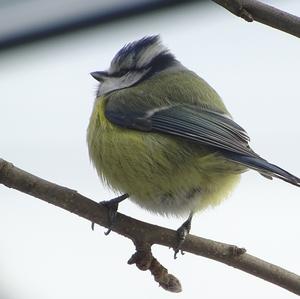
[[144, 233], [251, 10]]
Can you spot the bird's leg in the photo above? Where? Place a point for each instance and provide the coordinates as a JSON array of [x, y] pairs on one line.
[[112, 207], [182, 232]]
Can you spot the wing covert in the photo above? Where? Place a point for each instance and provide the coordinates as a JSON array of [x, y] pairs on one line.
[[190, 122]]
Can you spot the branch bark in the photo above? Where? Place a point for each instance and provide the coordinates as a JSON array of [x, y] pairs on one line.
[[251, 10], [144, 235]]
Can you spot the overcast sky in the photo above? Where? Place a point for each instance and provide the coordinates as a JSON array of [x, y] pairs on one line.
[[46, 97]]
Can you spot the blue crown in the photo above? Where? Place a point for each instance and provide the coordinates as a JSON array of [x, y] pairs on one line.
[[142, 54], [137, 46]]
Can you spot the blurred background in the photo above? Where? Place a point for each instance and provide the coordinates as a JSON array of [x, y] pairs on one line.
[[47, 50]]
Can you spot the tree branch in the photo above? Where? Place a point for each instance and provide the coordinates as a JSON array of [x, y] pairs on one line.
[[251, 10], [144, 235]]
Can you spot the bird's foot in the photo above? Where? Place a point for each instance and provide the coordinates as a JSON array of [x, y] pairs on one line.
[[112, 209], [182, 232]]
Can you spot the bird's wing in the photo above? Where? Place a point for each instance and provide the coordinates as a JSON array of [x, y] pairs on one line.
[[189, 122], [202, 126]]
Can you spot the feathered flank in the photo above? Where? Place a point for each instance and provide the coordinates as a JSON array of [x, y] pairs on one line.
[[140, 54]]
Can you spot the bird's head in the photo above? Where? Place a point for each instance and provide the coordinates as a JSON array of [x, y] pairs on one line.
[[136, 61]]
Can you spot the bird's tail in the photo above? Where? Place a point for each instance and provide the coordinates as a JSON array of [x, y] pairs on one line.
[[265, 168]]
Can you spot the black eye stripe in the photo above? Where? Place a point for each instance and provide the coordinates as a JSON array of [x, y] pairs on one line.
[[120, 73], [158, 63], [123, 72]]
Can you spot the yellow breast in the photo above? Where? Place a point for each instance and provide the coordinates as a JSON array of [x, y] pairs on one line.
[[159, 172]]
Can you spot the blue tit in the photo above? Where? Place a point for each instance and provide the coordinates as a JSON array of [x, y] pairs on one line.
[[162, 135]]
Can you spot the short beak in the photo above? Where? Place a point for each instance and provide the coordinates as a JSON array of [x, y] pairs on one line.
[[99, 76]]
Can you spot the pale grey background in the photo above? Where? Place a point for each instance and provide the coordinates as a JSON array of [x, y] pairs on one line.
[[46, 96]]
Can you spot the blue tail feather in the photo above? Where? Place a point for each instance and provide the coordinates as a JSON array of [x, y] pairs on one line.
[[265, 168]]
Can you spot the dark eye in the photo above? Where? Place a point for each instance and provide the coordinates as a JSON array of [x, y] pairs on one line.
[[122, 72]]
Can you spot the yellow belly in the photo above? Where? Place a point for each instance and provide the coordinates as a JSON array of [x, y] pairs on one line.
[[161, 173]]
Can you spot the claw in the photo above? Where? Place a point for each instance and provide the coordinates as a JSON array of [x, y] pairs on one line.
[[112, 207], [182, 232]]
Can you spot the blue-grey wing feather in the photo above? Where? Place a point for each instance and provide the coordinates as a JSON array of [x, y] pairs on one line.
[[202, 126]]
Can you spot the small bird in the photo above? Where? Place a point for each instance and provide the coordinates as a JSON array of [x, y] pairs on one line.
[[163, 137]]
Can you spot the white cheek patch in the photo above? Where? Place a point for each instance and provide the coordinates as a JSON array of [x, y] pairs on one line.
[[115, 83], [108, 86]]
